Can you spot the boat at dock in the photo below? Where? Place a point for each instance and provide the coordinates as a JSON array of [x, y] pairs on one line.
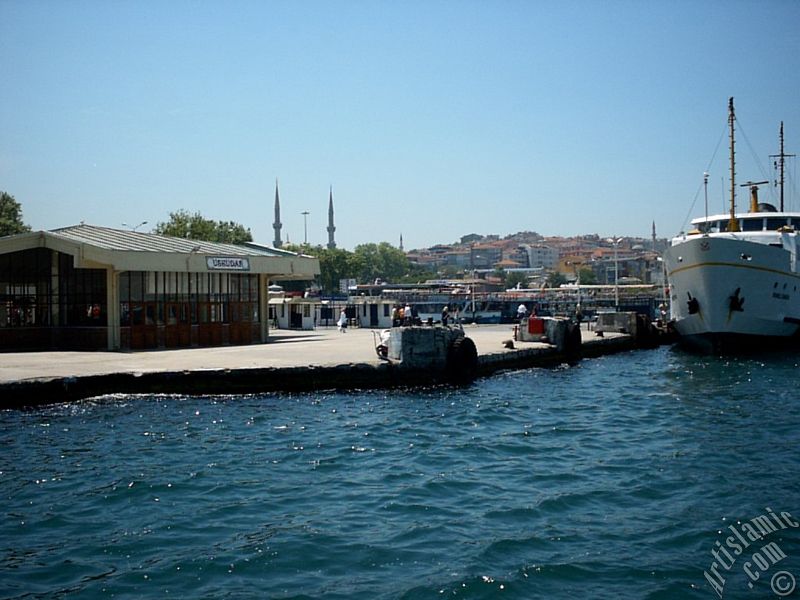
[[501, 307], [734, 279]]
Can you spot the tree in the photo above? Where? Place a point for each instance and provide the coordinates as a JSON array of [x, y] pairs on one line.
[[182, 224], [587, 276], [516, 277], [416, 274], [451, 272], [556, 279], [11, 216], [381, 261], [335, 264], [366, 263]]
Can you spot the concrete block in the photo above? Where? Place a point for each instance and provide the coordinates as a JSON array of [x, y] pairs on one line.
[[618, 322], [422, 347]]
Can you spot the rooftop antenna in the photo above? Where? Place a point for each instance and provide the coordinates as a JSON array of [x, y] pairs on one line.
[[780, 164]]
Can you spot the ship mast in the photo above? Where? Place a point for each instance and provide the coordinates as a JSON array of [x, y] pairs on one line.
[[733, 224], [781, 164]]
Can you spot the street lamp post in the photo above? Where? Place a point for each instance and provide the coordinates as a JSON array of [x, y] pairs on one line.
[[577, 264], [135, 227], [305, 214], [615, 242]]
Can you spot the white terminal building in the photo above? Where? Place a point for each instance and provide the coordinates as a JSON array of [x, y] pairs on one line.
[[95, 288]]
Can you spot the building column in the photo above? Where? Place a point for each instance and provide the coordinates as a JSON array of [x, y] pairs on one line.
[[112, 308], [263, 305]]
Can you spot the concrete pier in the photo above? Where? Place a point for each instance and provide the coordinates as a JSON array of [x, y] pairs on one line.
[[291, 361]]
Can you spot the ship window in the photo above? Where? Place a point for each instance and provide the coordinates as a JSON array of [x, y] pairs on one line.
[[722, 226], [752, 224], [774, 223], [795, 223]]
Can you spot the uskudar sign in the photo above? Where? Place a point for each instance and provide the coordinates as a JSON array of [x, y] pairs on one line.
[[222, 263]]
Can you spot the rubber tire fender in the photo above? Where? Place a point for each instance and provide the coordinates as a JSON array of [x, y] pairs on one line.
[[572, 341], [462, 361]]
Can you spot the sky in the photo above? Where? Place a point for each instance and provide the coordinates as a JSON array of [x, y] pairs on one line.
[[428, 119]]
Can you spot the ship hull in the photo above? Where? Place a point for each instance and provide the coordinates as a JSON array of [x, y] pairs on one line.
[[731, 294]]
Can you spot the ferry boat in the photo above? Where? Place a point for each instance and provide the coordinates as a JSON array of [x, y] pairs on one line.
[[734, 279], [481, 311]]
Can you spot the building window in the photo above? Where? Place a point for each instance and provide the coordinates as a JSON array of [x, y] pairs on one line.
[[204, 297], [42, 288]]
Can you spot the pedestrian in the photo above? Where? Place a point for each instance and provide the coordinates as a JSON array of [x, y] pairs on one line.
[[409, 318], [395, 316], [342, 322], [445, 314], [522, 311]]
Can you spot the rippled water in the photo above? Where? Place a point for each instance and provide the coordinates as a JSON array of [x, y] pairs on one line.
[[609, 479]]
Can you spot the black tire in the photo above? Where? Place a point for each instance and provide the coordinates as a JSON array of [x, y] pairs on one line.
[[462, 361], [572, 341]]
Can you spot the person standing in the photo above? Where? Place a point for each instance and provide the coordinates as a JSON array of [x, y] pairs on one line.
[[445, 314], [342, 322], [522, 312]]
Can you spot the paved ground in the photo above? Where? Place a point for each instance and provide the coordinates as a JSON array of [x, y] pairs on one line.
[[323, 346]]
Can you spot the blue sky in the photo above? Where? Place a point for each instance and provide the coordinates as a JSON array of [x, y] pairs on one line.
[[430, 119]]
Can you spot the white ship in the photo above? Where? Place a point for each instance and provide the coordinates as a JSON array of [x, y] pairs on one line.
[[734, 279]]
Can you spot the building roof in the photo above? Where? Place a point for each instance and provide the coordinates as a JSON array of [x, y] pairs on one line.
[[136, 241], [122, 250]]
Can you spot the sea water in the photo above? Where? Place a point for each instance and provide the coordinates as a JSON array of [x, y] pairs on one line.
[[625, 476]]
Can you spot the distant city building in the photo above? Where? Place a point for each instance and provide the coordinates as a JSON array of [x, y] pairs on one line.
[[471, 238], [542, 256], [518, 254]]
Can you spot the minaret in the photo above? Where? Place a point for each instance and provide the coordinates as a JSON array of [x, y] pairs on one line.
[[331, 228], [401, 242], [277, 224], [654, 236]]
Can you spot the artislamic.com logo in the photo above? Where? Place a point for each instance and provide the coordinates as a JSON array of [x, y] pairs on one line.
[[758, 559]]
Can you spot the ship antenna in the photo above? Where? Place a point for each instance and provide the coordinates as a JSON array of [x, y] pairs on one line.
[[705, 189], [733, 224], [780, 164]]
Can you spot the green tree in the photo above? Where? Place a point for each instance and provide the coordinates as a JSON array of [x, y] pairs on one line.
[[556, 279], [11, 216], [451, 272], [366, 263], [381, 261], [587, 276], [334, 264], [516, 277], [183, 224], [417, 274]]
